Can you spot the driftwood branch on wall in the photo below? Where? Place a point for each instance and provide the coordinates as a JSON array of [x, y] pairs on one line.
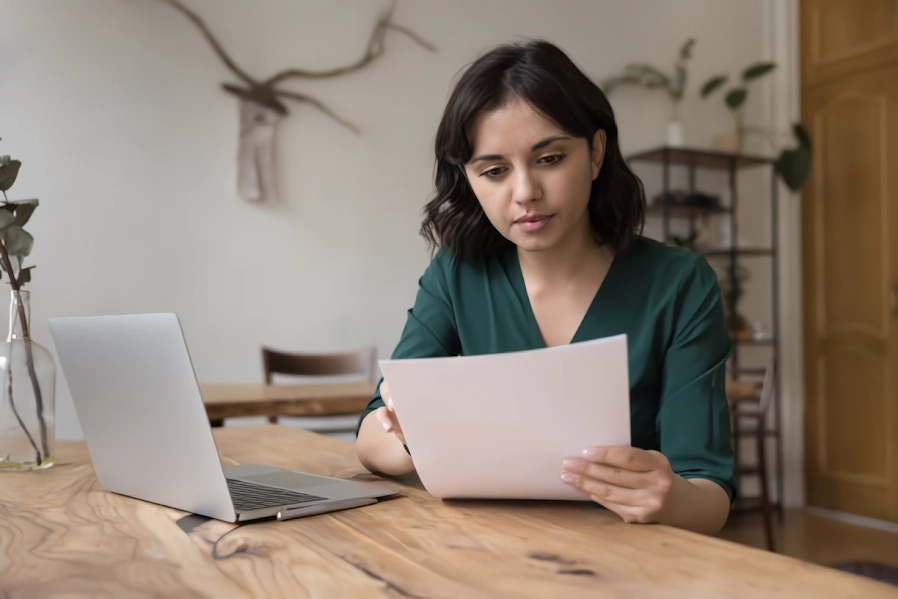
[[262, 101]]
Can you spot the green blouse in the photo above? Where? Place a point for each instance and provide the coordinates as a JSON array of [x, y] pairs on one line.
[[666, 300]]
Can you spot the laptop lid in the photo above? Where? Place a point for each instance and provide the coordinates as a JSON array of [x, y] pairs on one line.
[[136, 396]]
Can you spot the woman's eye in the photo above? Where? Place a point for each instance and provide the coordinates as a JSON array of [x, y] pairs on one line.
[[493, 172], [551, 158]]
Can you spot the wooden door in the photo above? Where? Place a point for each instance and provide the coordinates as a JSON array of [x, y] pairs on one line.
[[850, 255]]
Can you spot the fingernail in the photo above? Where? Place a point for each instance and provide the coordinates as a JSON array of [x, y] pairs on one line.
[[570, 478], [390, 403], [574, 464], [590, 452], [387, 426]]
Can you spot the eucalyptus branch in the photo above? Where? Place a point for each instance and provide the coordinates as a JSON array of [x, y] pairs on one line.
[[29, 354], [12, 404]]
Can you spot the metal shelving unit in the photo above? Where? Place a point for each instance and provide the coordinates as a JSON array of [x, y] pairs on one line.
[[731, 164]]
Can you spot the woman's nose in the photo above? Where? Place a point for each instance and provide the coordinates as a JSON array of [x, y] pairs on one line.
[[526, 187]]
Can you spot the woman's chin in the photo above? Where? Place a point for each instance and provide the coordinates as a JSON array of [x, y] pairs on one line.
[[534, 243]]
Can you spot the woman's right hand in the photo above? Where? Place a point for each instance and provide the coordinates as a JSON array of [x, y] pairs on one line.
[[387, 416]]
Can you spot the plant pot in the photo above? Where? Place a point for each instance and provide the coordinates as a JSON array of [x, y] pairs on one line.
[[674, 133], [730, 143]]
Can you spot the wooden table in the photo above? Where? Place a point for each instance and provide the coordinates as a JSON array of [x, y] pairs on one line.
[[331, 399], [61, 534], [241, 400]]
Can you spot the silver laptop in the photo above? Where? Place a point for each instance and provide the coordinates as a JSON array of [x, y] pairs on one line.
[[148, 435]]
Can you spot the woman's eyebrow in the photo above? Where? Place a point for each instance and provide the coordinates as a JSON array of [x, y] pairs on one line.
[[538, 145]]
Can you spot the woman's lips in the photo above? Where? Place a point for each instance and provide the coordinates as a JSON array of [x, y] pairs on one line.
[[532, 222]]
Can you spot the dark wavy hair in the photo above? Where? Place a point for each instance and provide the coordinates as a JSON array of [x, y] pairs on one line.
[[544, 77]]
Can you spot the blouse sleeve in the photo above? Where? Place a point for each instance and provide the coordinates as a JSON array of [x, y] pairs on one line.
[[693, 417], [430, 330]]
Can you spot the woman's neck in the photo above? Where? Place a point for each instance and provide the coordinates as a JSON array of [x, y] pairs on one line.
[[568, 260]]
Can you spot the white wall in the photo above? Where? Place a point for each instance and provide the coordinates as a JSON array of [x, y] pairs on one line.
[[115, 109]]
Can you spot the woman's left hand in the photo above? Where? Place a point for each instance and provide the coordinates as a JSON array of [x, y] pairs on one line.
[[636, 484]]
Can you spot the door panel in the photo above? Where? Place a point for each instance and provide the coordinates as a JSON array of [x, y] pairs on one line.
[[850, 266]]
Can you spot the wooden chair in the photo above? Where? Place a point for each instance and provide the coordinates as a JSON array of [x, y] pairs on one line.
[[748, 411], [362, 362]]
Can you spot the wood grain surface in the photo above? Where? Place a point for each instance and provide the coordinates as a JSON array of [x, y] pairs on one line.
[[317, 399], [62, 535]]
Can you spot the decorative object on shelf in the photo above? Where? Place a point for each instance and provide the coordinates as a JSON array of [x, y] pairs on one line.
[[689, 242], [650, 77], [793, 164], [684, 198], [759, 331], [261, 105], [27, 370], [732, 287]]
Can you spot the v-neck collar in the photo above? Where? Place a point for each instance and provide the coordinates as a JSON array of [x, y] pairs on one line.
[[520, 287]]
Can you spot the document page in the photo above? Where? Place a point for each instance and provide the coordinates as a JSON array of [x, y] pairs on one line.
[[500, 425]]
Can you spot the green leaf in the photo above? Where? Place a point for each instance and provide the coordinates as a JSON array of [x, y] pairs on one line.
[[686, 50], [676, 91], [24, 212], [801, 133], [25, 276], [794, 167], [712, 84], [609, 84], [757, 70], [18, 241], [7, 218], [14, 261], [8, 174], [736, 97]]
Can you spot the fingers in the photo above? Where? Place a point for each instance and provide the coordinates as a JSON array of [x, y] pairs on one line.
[[602, 492], [387, 419], [389, 422], [602, 472], [630, 514], [626, 458]]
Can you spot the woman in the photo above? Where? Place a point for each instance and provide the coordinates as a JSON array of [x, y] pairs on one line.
[[537, 218]]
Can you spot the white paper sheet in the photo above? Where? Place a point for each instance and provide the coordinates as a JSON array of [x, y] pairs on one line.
[[499, 426]]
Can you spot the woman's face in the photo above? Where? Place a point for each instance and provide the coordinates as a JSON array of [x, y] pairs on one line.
[[532, 179]]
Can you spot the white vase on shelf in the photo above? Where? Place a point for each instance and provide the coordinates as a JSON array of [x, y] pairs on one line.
[[675, 133]]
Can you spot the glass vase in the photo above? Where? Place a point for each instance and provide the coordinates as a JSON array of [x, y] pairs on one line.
[[27, 394]]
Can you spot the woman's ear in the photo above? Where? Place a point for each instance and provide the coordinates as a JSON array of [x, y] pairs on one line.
[[598, 152]]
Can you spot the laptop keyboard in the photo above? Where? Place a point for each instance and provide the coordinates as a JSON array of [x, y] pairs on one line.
[[250, 496]]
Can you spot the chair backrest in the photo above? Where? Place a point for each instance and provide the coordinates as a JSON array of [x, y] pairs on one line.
[[360, 361], [768, 388]]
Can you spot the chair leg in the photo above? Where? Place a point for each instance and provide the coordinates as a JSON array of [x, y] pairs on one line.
[[273, 419], [765, 490], [734, 443]]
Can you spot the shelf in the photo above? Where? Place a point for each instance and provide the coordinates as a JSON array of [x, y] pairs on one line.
[[721, 161], [685, 209], [746, 251], [746, 432], [753, 341]]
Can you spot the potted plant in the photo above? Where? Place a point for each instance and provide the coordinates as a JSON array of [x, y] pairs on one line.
[[793, 165], [650, 77]]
